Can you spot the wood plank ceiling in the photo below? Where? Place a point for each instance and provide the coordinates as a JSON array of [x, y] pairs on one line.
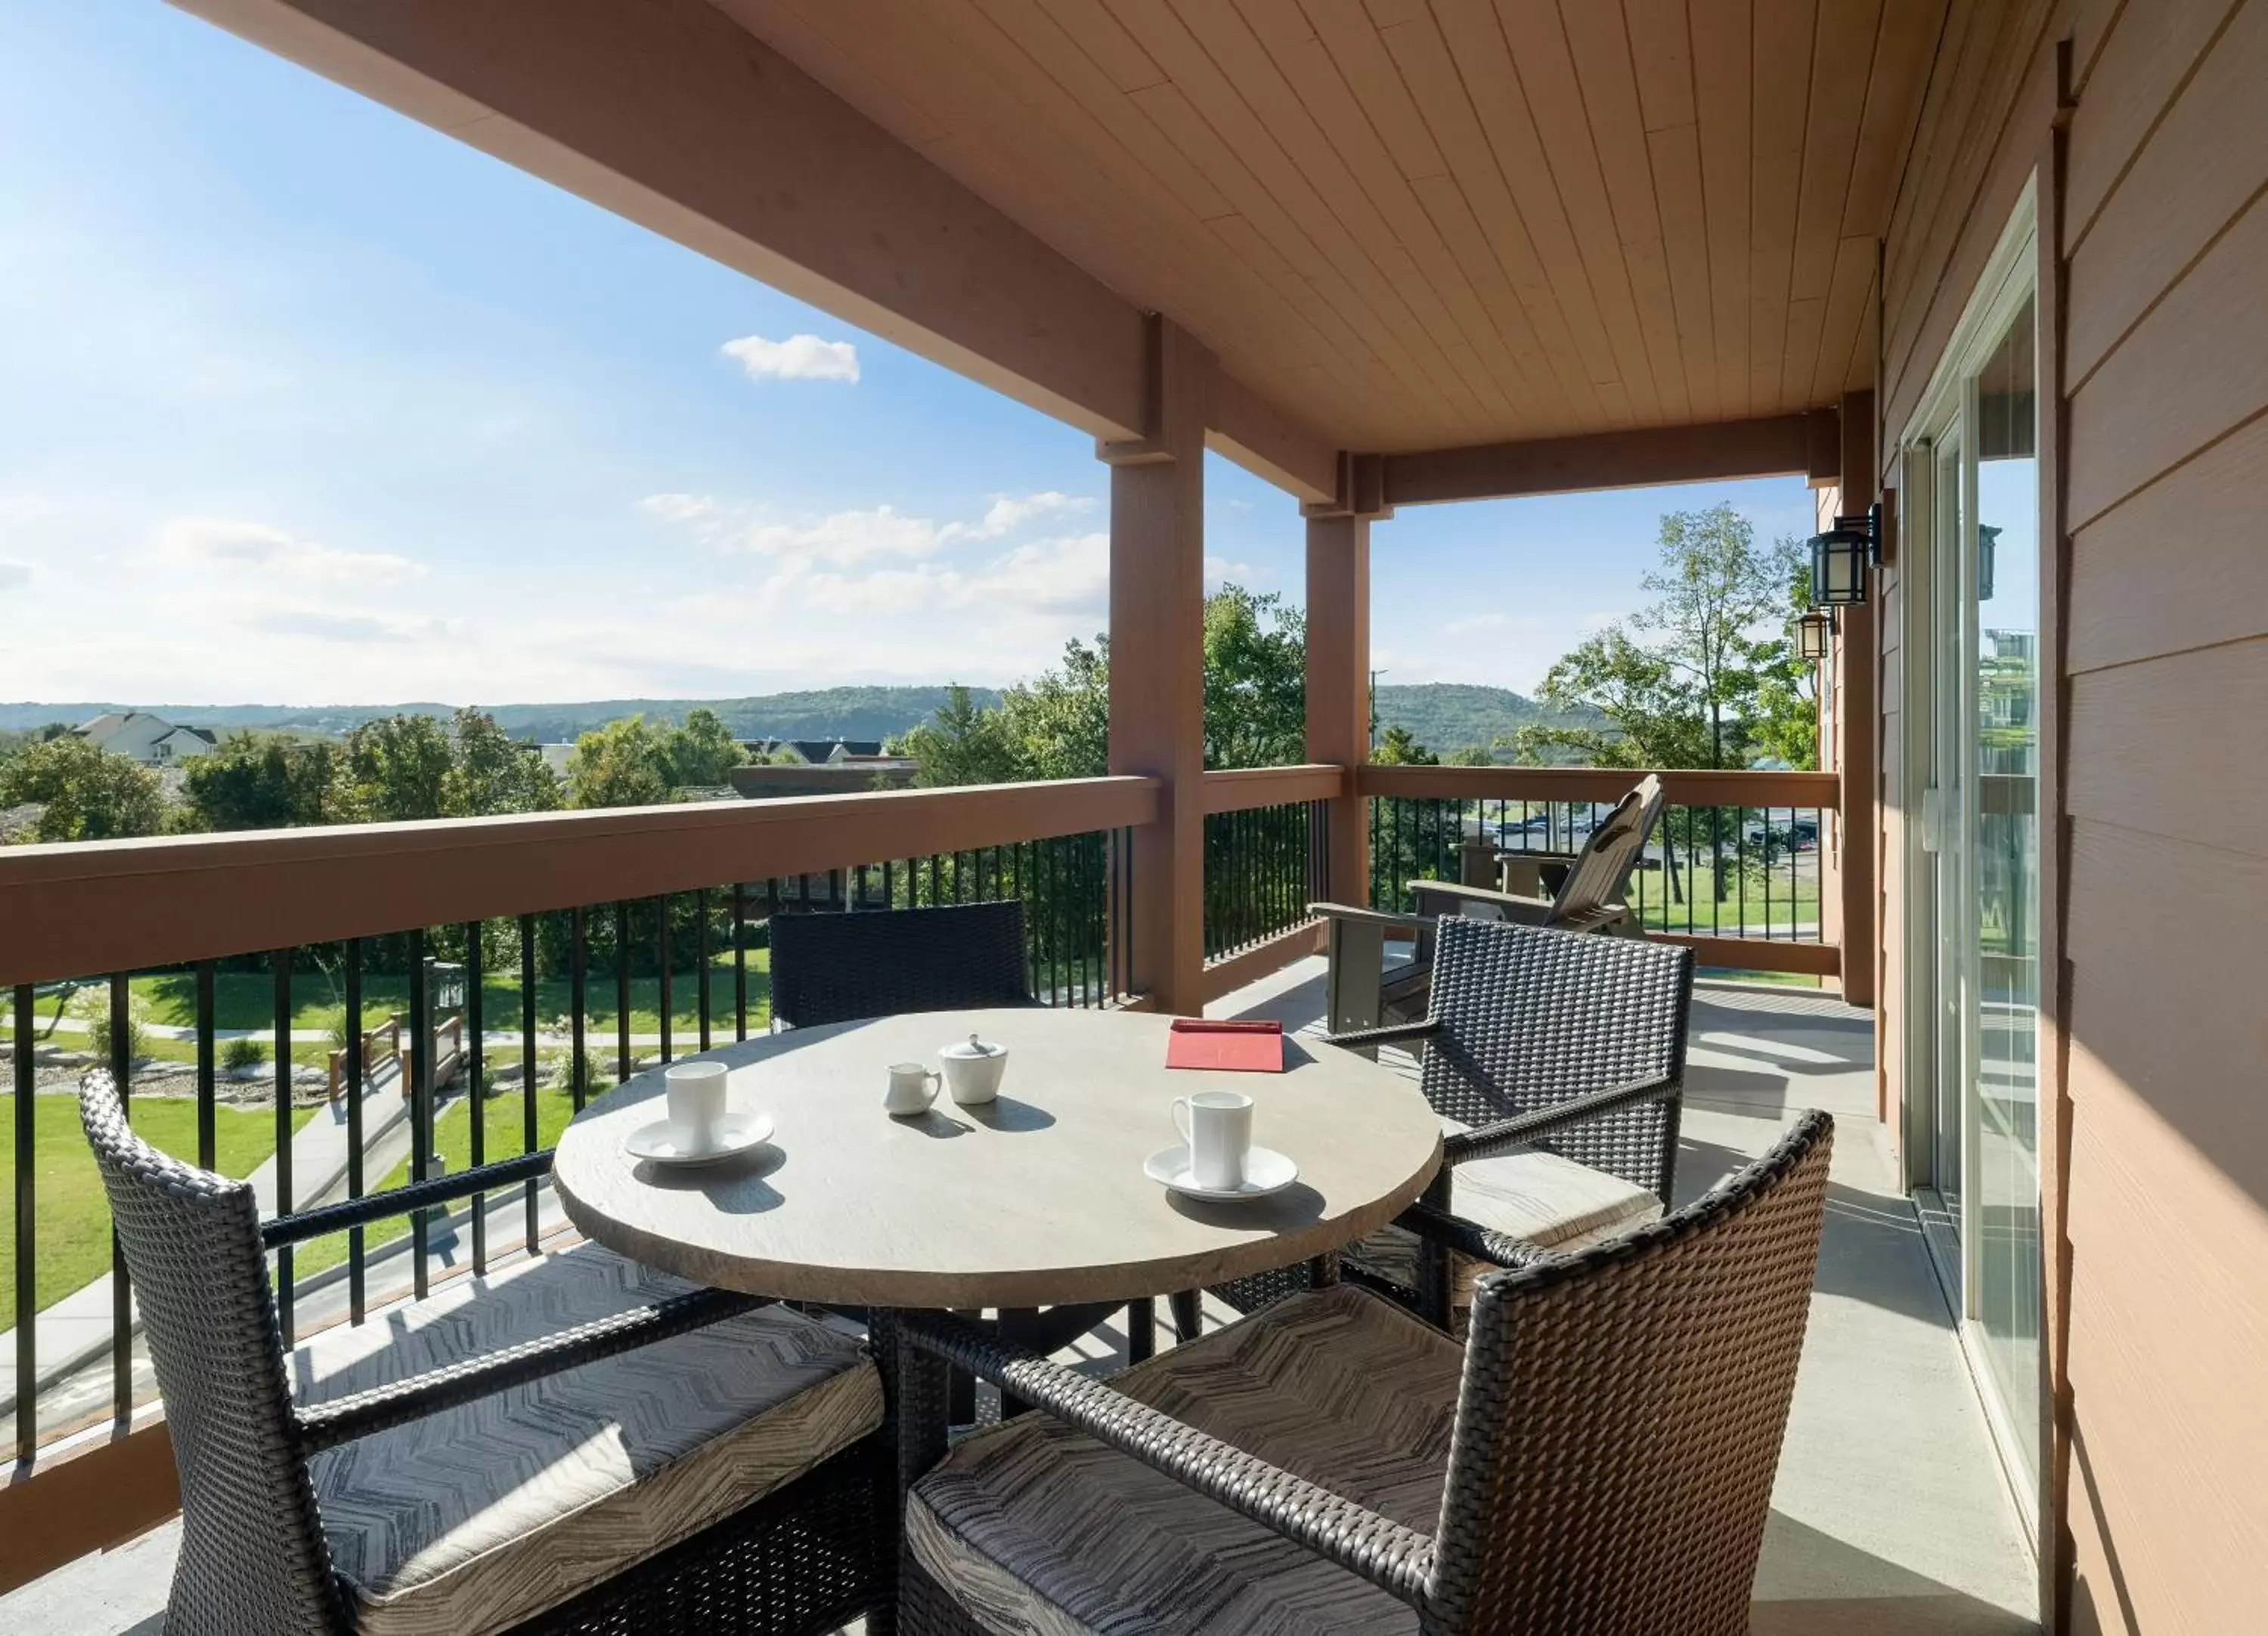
[[1427, 223]]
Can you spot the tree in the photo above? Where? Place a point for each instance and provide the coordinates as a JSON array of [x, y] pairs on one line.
[[490, 772], [395, 769], [702, 751], [1399, 747], [259, 781], [623, 764], [88, 793], [1057, 726], [1470, 755], [1701, 676]]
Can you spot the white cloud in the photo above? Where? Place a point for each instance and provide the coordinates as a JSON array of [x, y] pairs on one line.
[[215, 544], [1219, 571], [1476, 624], [798, 358], [1009, 512], [14, 576], [843, 539]]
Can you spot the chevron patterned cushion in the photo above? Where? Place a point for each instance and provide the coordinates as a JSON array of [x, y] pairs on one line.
[[474, 1518], [1036, 1529], [1540, 1198]]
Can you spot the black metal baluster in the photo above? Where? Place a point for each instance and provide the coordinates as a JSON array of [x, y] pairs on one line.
[[207, 1138], [356, 1293], [421, 1104], [701, 983], [740, 956], [668, 1048], [622, 992], [121, 1358], [27, 1217], [476, 1071], [528, 1140], [122, 1294], [578, 1005]]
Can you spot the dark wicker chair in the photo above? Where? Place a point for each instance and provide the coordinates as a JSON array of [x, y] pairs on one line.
[[880, 963], [1360, 991], [1598, 1456], [378, 1494], [1540, 1043]]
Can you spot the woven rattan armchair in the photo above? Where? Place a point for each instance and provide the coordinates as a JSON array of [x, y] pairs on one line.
[[1360, 991], [1558, 1063], [388, 1502], [1598, 1456], [880, 962]]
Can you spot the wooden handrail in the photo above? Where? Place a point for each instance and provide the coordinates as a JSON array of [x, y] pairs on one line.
[[1238, 789], [86, 909], [1697, 787]]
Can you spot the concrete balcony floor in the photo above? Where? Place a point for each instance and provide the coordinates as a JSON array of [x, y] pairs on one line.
[[1890, 1513]]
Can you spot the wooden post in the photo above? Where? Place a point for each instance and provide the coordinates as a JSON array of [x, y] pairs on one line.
[[1338, 671], [1157, 661], [1857, 727]]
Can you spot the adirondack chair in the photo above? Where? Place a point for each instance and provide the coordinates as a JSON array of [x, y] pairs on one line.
[[1361, 991]]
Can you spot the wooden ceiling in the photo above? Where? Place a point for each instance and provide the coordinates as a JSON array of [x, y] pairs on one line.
[[1429, 223]]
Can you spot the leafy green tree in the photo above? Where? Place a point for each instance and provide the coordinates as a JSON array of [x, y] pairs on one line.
[[963, 743], [490, 772], [89, 794], [1470, 755], [259, 781], [1699, 676], [1059, 723], [395, 769], [1398, 747], [701, 750], [1256, 679], [624, 763]]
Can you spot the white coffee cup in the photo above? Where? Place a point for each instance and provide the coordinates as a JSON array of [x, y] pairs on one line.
[[912, 1089], [696, 1099], [1218, 1127]]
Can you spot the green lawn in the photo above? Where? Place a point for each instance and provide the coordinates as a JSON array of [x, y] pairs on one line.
[[71, 1217], [1744, 901], [501, 1136]]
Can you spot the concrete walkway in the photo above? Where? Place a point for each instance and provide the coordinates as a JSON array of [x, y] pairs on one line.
[[1890, 1515]]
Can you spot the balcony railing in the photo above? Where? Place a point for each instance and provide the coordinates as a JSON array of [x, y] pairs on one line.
[[1735, 866]]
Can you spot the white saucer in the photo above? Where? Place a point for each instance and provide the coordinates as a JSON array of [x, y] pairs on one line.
[[665, 1144], [1265, 1171]]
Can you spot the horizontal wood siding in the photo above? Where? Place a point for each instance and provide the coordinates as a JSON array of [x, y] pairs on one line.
[[2164, 233]]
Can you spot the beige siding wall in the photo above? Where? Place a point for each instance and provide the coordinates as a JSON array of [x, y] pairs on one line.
[[2164, 1186]]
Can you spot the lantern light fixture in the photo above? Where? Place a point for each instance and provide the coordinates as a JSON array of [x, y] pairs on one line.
[[1841, 556], [1815, 632]]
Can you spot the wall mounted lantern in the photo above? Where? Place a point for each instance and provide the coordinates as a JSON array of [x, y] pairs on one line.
[[1815, 632], [1841, 556]]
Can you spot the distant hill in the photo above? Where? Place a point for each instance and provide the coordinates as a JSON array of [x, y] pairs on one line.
[[872, 713], [1446, 716]]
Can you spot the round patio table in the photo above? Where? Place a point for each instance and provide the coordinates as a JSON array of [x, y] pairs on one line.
[[1037, 1199]]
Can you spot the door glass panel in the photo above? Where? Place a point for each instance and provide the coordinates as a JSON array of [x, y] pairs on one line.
[[1949, 757], [2002, 574]]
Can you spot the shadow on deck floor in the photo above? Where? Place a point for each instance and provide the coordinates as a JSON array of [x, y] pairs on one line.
[[1890, 1516]]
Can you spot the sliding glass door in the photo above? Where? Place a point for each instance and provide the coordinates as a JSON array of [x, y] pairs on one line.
[[1976, 901]]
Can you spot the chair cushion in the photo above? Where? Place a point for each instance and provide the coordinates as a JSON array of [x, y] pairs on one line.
[[474, 1518], [1530, 1194], [1034, 1527]]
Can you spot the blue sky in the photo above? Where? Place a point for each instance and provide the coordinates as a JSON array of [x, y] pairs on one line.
[[302, 403]]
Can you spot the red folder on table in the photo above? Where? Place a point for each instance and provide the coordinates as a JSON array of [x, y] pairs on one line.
[[1239, 1047]]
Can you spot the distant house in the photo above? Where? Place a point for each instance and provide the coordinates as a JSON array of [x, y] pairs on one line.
[[818, 752], [140, 736]]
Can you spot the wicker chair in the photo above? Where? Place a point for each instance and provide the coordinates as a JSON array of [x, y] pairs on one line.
[[837, 967], [1558, 1062], [1598, 1456], [1359, 991], [671, 1457]]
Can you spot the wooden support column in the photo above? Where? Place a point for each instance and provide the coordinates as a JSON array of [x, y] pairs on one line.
[[1857, 728], [1338, 660], [1157, 660]]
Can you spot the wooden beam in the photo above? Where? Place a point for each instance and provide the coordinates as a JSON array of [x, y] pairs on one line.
[[1338, 690], [91, 907], [1270, 444], [1858, 727], [1756, 954], [1240, 789], [671, 113], [1776, 446], [1157, 661], [1824, 467]]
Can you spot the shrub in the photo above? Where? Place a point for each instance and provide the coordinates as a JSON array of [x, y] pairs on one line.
[[92, 1005], [242, 1053]]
